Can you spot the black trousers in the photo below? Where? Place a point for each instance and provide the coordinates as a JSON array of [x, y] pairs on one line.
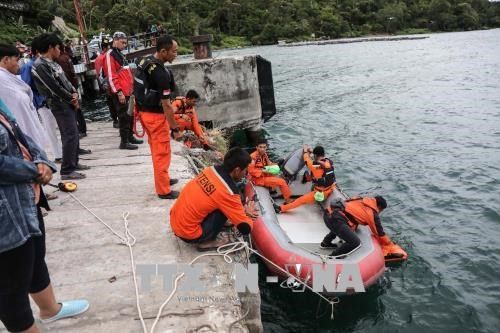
[[124, 120], [23, 271], [111, 106], [82, 125], [65, 115], [211, 225], [338, 226]]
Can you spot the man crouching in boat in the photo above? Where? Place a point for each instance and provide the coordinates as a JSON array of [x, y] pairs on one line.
[[209, 200], [260, 176], [322, 177], [343, 219]]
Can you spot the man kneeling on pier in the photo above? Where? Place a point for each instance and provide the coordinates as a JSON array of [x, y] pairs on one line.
[[209, 200]]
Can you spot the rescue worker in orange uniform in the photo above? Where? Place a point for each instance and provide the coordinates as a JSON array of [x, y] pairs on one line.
[[210, 199], [156, 111], [322, 177], [260, 177], [186, 116], [343, 219]]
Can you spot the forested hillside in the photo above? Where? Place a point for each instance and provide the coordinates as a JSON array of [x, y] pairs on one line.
[[261, 21]]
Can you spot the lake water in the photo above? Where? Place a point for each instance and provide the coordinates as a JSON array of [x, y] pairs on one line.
[[419, 123]]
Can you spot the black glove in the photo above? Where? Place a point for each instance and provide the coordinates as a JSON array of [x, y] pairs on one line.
[[305, 177]]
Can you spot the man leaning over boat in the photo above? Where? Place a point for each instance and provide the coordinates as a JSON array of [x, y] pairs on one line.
[[343, 219]]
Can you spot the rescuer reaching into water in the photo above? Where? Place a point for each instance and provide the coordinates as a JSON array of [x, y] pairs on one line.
[[261, 177], [343, 219], [322, 177], [209, 200]]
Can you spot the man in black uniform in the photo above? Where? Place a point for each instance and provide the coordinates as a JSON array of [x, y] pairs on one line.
[[153, 87]]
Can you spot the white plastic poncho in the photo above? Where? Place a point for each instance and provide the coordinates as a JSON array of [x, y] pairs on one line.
[[18, 97]]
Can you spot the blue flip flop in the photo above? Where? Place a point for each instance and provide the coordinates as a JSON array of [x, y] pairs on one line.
[[69, 309]]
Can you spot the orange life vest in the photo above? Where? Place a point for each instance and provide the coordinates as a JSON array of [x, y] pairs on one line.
[[182, 107], [359, 211], [260, 160], [327, 177], [255, 169]]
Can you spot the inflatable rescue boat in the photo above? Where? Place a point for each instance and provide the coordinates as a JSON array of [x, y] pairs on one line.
[[292, 240]]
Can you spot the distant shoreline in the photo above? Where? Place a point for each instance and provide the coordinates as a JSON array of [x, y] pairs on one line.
[[352, 40]]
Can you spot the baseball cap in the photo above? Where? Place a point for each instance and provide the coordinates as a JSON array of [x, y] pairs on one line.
[[119, 35]]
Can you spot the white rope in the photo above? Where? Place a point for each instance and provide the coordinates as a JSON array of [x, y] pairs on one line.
[[129, 244], [224, 250], [221, 251], [123, 239]]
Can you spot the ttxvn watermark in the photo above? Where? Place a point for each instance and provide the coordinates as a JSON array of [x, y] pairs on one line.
[[321, 277]]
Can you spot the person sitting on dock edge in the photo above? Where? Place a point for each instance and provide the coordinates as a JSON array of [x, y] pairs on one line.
[[322, 177], [210, 199], [261, 177], [343, 219], [187, 118]]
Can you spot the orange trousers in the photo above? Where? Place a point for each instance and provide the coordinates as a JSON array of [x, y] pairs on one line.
[[272, 182], [158, 131], [307, 198], [184, 124], [189, 125]]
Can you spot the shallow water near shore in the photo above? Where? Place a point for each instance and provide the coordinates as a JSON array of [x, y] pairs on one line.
[[419, 123]]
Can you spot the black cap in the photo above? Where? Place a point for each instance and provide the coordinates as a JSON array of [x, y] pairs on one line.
[[381, 202], [319, 151]]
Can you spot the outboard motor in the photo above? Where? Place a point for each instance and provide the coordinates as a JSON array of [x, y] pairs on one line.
[[293, 163]]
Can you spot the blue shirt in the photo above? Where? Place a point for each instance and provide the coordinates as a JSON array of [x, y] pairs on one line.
[[26, 76]]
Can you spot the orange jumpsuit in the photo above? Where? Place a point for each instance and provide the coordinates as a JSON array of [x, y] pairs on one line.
[[259, 178], [211, 190], [365, 211], [317, 172], [184, 124], [158, 131]]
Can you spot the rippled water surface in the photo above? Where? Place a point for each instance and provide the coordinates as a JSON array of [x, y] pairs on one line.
[[418, 122]]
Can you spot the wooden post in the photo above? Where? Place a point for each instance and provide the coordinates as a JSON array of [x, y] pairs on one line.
[[201, 46]]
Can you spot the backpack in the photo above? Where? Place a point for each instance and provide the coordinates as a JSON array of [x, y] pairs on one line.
[[144, 96]]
